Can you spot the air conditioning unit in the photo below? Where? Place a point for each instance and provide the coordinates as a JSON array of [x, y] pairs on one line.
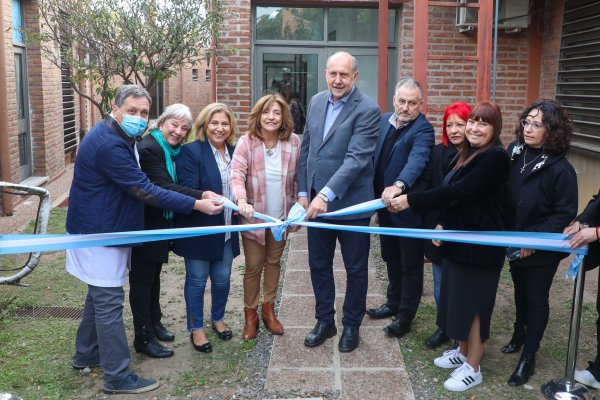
[[513, 15]]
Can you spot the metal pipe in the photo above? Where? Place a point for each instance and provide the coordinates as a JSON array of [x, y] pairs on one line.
[[7, 203], [495, 61], [41, 225], [567, 388]]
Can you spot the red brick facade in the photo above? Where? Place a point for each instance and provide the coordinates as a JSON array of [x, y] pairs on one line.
[[233, 59]]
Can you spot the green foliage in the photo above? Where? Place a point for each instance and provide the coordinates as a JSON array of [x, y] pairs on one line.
[[104, 42]]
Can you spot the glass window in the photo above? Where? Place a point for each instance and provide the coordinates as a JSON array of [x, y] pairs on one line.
[[289, 23], [17, 21], [358, 25]]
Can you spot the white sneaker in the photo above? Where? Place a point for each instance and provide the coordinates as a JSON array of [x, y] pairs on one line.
[[584, 376], [463, 378], [451, 359]]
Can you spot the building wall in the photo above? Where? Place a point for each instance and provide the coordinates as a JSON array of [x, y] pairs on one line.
[[44, 91], [183, 88], [7, 42], [450, 80], [45, 107], [234, 66]]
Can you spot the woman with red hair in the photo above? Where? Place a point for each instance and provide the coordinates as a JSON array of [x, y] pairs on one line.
[[443, 157]]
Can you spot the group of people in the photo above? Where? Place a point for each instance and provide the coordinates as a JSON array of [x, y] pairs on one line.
[[349, 154]]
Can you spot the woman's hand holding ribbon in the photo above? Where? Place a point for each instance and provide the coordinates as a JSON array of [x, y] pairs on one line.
[[245, 209]]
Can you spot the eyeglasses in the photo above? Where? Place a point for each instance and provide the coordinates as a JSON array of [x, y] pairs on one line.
[[534, 125]]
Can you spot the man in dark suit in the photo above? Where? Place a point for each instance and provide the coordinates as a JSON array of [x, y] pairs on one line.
[[402, 152], [336, 171]]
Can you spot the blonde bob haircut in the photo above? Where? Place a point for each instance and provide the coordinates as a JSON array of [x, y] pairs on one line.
[[205, 116], [264, 103]]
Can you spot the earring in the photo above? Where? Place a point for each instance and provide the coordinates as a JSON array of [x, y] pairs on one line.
[[281, 128]]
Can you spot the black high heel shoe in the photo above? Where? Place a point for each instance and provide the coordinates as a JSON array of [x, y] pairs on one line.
[[223, 335], [203, 348]]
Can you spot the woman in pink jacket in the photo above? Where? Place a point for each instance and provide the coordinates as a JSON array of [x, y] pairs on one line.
[[263, 172]]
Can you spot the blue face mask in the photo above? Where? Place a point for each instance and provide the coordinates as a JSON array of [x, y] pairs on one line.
[[133, 126]]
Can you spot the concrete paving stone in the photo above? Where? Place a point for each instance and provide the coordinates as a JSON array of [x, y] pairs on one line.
[[375, 350], [299, 380], [376, 385], [289, 351], [297, 282], [297, 311]]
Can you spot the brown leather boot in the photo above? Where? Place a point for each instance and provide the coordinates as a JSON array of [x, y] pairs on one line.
[[251, 325], [270, 320]]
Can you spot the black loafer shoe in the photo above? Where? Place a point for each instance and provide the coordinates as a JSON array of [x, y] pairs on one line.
[[162, 333], [383, 311], [349, 340], [321, 332], [150, 347], [397, 328], [203, 348], [223, 335], [437, 339]]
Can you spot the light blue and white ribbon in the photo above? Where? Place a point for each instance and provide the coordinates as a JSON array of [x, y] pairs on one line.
[[11, 244]]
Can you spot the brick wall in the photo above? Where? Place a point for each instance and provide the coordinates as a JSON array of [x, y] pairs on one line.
[[551, 49], [233, 60], [455, 80], [7, 36], [183, 88], [45, 107]]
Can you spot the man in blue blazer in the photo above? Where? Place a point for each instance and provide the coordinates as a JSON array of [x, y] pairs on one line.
[[402, 152], [108, 194], [336, 171]]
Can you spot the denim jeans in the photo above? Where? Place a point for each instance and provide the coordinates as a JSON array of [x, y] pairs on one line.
[[196, 275]]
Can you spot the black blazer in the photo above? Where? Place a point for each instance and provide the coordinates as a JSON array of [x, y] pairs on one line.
[[591, 216], [547, 202], [406, 162], [433, 177], [197, 168], [153, 164], [473, 201]]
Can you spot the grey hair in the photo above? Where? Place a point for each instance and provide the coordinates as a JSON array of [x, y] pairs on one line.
[[126, 91], [174, 111], [410, 83], [345, 53]]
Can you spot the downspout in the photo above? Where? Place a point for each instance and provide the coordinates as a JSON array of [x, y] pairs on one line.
[[495, 61], [7, 203], [383, 40]]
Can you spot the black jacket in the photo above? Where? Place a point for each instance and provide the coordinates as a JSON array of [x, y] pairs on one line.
[[547, 201], [472, 200], [438, 166], [153, 164], [591, 216]]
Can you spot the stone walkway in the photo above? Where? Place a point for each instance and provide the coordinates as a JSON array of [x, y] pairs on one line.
[[373, 371]]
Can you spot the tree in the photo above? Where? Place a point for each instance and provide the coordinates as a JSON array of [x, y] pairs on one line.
[[133, 41]]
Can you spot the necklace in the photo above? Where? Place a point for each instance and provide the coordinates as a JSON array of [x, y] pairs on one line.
[[525, 158], [269, 150]]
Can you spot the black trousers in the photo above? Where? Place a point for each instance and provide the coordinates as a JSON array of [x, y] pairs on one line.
[[404, 259], [144, 290], [594, 366], [532, 288], [355, 252]]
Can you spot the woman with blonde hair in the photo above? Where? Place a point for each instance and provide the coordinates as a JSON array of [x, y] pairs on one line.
[[263, 179], [204, 164]]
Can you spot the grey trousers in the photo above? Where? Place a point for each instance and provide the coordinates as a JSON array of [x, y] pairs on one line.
[[101, 334]]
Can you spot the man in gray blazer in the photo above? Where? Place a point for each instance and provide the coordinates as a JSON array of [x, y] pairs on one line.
[[336, 171]]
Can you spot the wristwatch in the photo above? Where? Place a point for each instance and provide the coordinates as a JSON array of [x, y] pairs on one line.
[[323, 197], [400, 185]]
